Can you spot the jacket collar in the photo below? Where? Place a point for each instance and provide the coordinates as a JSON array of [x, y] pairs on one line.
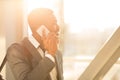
[[32, 49]]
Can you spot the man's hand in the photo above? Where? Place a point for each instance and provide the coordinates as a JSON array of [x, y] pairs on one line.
[[51, 43]]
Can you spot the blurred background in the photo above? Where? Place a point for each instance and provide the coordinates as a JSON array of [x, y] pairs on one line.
[[85, 27]]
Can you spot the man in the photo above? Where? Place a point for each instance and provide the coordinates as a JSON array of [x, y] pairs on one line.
[[37, 57]]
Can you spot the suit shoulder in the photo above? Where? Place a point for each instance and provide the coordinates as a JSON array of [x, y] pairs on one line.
[[14, 45]]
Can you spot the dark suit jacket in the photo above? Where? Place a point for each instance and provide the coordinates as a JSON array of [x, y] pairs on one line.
[[27, 64]]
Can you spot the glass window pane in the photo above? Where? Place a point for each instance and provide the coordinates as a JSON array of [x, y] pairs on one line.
[[88, 25]]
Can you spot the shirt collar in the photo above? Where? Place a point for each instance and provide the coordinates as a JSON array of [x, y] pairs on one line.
[[35, 43]]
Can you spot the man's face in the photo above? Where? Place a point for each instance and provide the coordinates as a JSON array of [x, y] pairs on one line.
[[51, 23], [49, 30]]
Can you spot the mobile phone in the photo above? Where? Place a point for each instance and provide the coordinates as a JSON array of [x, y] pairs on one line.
[[43, 30]]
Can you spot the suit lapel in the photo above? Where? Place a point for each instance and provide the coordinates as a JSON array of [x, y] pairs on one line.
[[36, 57]]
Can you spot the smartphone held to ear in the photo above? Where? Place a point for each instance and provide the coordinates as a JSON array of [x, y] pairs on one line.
[[42, 30], [49, 39]]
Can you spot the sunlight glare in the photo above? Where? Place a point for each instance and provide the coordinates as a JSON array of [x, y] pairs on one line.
[[91, 14], [31, 4]]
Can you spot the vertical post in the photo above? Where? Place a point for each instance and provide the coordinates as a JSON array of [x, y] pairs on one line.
[[61, 22], [14, 25], [2, 37]]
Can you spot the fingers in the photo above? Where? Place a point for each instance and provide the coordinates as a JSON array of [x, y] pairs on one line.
[[50, 43]]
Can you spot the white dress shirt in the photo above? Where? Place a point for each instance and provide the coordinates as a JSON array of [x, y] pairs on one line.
[[36, 44]]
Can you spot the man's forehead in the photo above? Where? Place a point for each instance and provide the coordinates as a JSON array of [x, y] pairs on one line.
[[43, 11]]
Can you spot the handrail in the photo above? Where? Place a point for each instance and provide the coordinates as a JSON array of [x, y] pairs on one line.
[[106, 57]]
